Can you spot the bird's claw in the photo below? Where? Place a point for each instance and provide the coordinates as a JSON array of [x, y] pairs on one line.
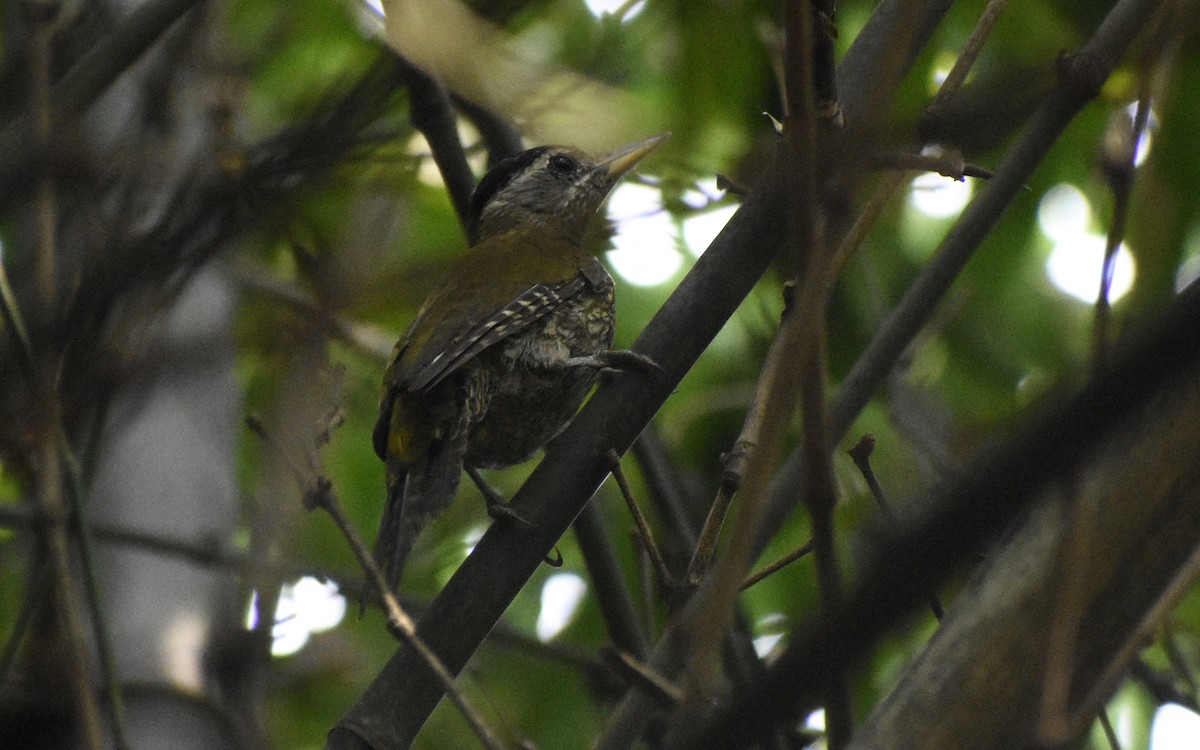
[[618, 360], [624, 359]]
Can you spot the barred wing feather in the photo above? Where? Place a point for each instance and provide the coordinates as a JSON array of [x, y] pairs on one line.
[[530, 306]]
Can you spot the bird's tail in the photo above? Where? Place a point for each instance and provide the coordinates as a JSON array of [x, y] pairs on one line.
[[414, 497]]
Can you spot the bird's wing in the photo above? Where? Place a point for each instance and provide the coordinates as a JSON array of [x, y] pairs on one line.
[[533, 304], [439, 342], [422, 359]]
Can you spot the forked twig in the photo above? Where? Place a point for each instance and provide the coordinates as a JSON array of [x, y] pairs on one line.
[[644, 531], [318, 492]]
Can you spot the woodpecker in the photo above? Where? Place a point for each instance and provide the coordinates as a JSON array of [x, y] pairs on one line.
[[504, 349]]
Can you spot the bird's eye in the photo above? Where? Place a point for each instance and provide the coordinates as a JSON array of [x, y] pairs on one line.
[[562, 164]]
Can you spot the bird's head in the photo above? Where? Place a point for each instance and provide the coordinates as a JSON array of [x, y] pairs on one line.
[[556, 189]]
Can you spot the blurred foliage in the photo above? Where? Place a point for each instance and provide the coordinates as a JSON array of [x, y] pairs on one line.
[[368, 239]]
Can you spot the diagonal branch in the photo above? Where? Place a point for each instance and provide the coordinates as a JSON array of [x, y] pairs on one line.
[[463, 614], [1081, 77], [900, 565]]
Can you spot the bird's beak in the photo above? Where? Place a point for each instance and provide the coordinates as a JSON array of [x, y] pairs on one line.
[[622, 160]]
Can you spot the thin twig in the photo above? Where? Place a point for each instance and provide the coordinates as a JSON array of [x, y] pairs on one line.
[[777, 565], [400, 624], [763, 431], [820, 495], [1178, 663], [666, 580], [42, 16], [53, 504], [861, 455], [433, 114], [1110, 734], [666, 693], [740, 460], [646, 588], [1118, 159], [53, 461], [963, 63], [1071, 559], [1189, 571], [318, 493], [1162, 685], [731, 480], [504, 713], [15, 322], [82, 533], [862, 226], [806, 325], [1102, 310], [667, 491], [625, 628], [36, 585]]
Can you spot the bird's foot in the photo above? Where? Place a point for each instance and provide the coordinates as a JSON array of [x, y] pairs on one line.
[[497, 508], [503, 512], [617, 360]]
